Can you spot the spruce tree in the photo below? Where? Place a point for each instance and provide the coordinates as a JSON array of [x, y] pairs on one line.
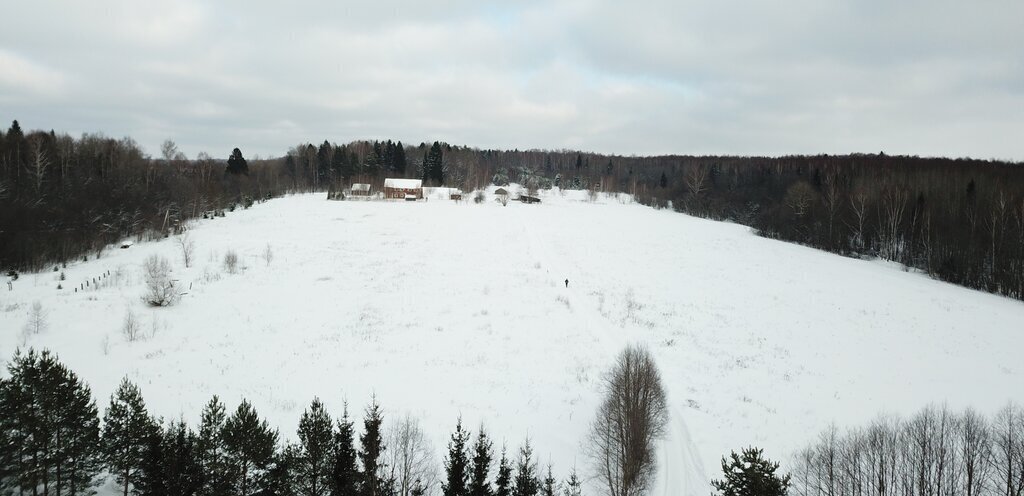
[[526, 482], [249, 444], [215, 477], [664, 180], [344, 473], [279, 478], [126, 426], [503, 481], [573, 485], [400, 161], [313, 461], [550, 486], [237, 164], [370, 453], [483, 455], [456, 463], [750, 473]]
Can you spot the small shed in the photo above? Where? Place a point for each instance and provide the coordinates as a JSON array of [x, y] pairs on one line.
[[395, 188], [529, 199], [360, 189]]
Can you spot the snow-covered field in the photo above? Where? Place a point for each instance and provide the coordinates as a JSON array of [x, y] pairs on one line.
[[444, 309]]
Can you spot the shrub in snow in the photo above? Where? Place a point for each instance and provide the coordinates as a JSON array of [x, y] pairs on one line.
[[160, 290], [36, 319], [188, 248], [479, 197], [130, 328], [268, 254], [231, 262]]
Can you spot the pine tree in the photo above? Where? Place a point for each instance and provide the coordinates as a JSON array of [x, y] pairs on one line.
[[237, 164], [151, 478], [664, 180], [750, 474], [503, 481], [573, 486], [182, 461], [550, 486], [249, 444], [433, 165], [279, 479], [215, 477], [527, 482], [344, 473], [370, 453], [483, 455], [456, 463], [313, 461], [49, 430], [126, 426]]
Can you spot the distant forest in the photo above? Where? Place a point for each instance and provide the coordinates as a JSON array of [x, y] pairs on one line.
[[960, 220]]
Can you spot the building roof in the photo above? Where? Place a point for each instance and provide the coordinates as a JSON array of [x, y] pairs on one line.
[[500, 191], [360, 187], [392, 182]]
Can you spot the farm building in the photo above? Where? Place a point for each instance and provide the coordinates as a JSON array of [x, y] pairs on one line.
[[360, 189], [403, 188]]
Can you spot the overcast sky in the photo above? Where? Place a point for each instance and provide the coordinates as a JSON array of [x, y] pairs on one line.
[[752, 77]]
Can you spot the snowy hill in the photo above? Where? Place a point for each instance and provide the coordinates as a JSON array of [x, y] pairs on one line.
[[444, 309]]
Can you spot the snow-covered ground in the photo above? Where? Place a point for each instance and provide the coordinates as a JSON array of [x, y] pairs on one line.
[[444, 309]]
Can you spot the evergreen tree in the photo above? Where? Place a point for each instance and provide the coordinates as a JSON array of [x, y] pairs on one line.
[[527, 482], [150, 480], [126, 427], [237, 164], [339, 164], [433, 165], [400, 161], [664, 180], [456, 463], [550, 486], [483, 456], [750, 474], [344, 473], [182, 461], [370, 453], [279, 479], [503, 481], [49, 429], [215, 476], [249, 444], [573, 485], [312, 469]]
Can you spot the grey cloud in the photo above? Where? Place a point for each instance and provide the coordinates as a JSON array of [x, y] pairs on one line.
[[738, 77]]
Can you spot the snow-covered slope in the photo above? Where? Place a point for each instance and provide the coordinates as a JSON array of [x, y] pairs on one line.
[[444, 309]]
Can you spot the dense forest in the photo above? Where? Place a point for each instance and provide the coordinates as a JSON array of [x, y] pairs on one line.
[[959, 220]]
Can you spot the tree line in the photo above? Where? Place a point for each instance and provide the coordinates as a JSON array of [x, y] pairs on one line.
[[959, 220], [62, 198], [935, 452], [52, 441]]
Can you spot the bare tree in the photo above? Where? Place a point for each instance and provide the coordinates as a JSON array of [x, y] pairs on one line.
[[40, 164], [37, 322], [894, 206], [131, 327], [859, 205], [268, 254], [188, 248], [799, 197], [160, 290], [411, 460], [631, 418]]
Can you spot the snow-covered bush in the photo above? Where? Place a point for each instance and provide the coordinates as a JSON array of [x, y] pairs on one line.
[[479, 197], [160, 290]]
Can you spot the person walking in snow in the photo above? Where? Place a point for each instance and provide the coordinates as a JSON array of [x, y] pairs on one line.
[[567, 283]]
